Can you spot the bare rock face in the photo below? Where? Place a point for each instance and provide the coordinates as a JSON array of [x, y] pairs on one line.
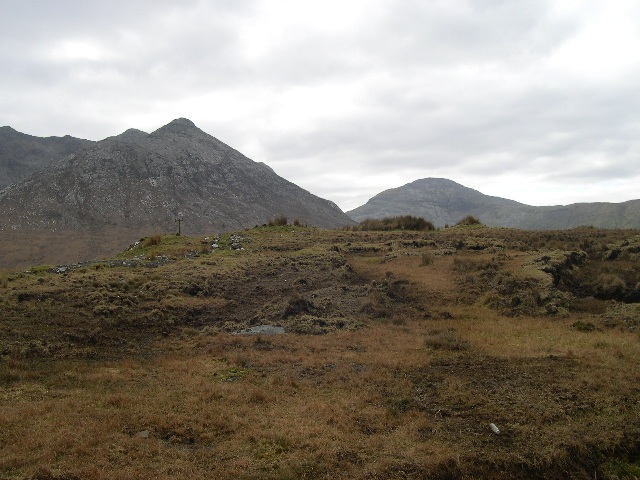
[[137, 179], [21, 154], [107, 194], [445, 202]]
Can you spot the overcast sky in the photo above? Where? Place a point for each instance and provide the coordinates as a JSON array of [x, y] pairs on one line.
[[536, 101]]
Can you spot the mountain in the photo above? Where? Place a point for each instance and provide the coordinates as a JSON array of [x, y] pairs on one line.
[[135, 184], [445, 202], [22, 154]]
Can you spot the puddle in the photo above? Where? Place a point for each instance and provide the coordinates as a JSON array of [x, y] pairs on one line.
[[262, 330]]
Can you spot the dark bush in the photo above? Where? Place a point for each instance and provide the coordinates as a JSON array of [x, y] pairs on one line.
[[376, 306], [583, 326], [406, 222], [279, 221], [297, 305], [609, 285], [469, 220], [151, 241], [445, 340], [426, 259]]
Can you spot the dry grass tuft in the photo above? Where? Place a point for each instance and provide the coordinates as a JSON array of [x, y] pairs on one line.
[[445, 340]]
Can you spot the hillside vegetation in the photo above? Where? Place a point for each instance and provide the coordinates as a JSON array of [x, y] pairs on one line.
[[400, 349]]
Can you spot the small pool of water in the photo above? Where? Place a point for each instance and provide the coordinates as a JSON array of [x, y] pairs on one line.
[[262, 330]]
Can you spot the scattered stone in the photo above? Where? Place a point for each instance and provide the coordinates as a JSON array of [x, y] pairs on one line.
[[235, 241]]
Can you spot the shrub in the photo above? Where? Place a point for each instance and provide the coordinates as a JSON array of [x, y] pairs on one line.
[[464, 265], [150, 241], [609, 285], [279, 221], [583, 326], [297, 305], [406, 222], [469, 220], [426, 259], [106, 309], [445, 340], [376, 306]]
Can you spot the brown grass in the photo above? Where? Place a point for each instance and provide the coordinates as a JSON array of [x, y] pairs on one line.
[[158, 386]]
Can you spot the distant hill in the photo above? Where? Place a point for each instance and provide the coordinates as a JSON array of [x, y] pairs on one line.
[[136, 183], [445, 202], [22, 154]]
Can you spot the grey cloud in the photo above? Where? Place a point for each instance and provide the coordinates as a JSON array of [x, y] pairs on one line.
[[448, 33], [541, 132], [461, 87]]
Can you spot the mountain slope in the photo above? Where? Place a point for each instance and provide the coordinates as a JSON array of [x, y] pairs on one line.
[[22, 154], [597, 214], [135, 184], [445, 202], [178, 170]]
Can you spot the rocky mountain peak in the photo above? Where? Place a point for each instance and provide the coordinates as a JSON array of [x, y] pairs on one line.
[[22, 154], [131, 134], [444, 201], [139, 183], [180, 126]]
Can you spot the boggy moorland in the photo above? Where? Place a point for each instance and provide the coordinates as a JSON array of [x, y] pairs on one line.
[[400, 350]]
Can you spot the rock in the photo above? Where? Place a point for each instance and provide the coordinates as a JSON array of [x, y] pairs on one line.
[[235, 242]]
